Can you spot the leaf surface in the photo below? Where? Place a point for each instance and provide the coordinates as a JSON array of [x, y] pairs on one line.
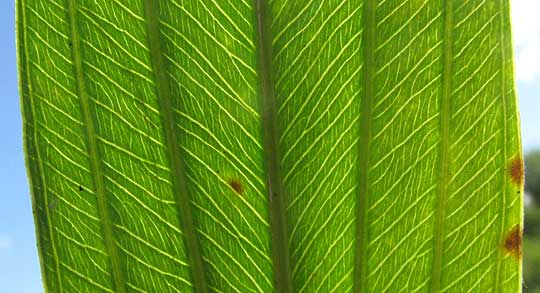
[[253, 146]]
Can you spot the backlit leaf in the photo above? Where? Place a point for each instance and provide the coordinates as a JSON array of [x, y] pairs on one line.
[[259, 146]]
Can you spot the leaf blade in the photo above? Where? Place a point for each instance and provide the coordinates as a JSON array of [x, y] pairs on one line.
[[396, 133]]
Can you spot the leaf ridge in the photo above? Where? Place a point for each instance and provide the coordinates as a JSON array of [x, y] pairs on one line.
[[104, 211], [361, 261], [444, 173], [179, 180], [280, 247]]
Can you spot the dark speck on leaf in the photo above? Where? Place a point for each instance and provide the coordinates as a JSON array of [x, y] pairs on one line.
[[81, 188], [236, 186], [512, 243]]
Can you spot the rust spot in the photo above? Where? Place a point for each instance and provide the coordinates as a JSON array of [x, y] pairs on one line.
[[512, 243], [236, 186], [515, 170]]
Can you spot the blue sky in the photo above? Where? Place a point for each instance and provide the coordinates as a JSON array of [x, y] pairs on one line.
[[19, 266], [526, 35]]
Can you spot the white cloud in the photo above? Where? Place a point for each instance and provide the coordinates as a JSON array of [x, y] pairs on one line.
[[5, 242], [526, 36]]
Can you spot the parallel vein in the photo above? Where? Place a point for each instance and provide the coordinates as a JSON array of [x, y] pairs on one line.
[[31, 117], [179, 180], [361, 261], [504, 224], [94, 156], [280, 249], [444, 161]]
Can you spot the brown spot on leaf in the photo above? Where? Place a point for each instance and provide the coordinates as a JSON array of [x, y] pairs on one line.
[[236, 185], [515, 169], [512, 242]]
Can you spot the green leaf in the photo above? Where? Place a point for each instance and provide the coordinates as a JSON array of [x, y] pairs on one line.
[[253, 146]]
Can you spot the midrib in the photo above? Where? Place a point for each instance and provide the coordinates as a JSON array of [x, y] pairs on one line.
[[280, 249], [360, 279], [440, 201], [179, 180], [118, 278]]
